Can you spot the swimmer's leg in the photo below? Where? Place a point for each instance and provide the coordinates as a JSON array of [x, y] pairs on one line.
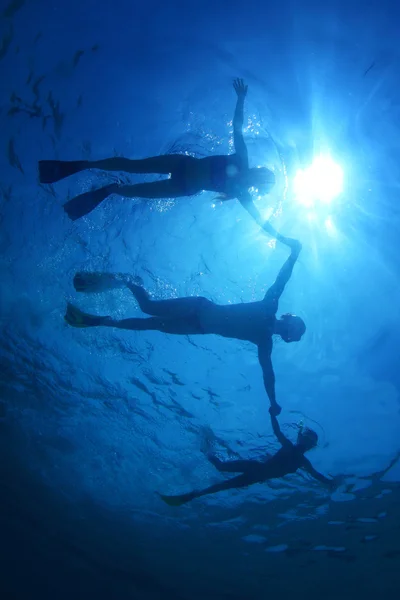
[[51, 171], [171, 308], [235, 482], [85, 281], [82, 205], [163, 164], [231, 466], [177, 326], [166, 188]]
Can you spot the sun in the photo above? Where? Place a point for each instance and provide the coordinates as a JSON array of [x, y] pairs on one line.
[[321, 183]]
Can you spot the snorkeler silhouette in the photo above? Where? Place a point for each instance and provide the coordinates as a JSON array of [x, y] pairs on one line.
[[228, 175], [250, 321], [289, 458]]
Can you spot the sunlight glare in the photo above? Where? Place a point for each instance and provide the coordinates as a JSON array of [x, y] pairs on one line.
[[330, 226], [321, 182]]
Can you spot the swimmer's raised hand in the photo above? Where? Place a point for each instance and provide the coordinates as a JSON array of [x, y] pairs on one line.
[[240, 87]]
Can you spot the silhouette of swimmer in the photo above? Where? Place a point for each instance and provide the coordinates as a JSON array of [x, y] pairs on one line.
[[228, 175], [289, 458], [254, 322]]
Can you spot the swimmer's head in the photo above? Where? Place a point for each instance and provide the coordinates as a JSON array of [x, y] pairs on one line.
[[291, 328], [307, 439], [262, 178]]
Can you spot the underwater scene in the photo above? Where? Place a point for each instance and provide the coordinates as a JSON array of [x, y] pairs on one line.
[[200, 300]]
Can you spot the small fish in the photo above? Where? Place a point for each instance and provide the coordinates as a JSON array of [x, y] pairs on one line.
[[210, 393], [12, 8], [32, 111], [6, 193], [174, 377], [246, 388], [368, 538], [37, 37], [177, 408], [79, 101], [152, 378], [135, 381], [13, 110], [13, 157], [206, 267], [51, 190], [35, 110], [6, 42], [44, 121], [29, 79], [392, 554], [95, 48], [14, 98], [58, 117], [50, 99], [369, 68], [77, 56], [86, 149], [35, 86]]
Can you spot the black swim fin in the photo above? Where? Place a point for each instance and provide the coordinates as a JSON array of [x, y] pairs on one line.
[[174, 500], [51, 171], [84, 203], [77, 318]]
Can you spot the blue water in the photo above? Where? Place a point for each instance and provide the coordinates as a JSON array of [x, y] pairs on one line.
[[94, 422]]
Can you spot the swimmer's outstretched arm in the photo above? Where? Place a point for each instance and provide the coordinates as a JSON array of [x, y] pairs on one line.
[[264, 358], [276, 289], [282, 439], [246, 201], [245, 198], [307, 466], [238, 140]]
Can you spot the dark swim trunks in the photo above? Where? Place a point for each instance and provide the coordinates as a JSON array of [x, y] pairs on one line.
[[200, 305], [218, 173], [182, 174]]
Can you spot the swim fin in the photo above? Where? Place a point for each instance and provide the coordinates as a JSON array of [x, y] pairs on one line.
[[51, 171], [176, 500], [76, 318], [84, 203], [88, 282]]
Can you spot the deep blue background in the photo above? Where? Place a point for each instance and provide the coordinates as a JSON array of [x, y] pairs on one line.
[[92, 423]]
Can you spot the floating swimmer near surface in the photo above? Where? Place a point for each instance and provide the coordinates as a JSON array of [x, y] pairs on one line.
[[230, 176]]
